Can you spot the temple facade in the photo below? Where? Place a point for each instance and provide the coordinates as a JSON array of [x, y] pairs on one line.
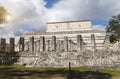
[[65, 36]]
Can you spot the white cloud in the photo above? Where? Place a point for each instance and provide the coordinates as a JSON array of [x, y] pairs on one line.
[[99, 27], [31, 15], [84, 9]]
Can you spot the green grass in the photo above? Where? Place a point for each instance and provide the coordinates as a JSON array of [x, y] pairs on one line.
[[21, 72]]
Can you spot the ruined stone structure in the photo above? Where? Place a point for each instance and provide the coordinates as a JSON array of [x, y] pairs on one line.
[[75, 33], [65, 42]]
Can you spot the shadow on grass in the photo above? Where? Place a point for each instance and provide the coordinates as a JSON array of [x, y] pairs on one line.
[[31, 73]]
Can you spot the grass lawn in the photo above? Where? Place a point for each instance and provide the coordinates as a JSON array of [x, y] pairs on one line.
[[21, 72]]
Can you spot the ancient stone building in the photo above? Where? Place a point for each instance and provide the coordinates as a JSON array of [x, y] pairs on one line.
[[63, 36]]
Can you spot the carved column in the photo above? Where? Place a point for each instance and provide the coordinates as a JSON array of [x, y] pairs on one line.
[[42, 43], [65, 44], [38, 45], [48, 45], [93, 45], [79, 43], [31, 44], [3, 44], [107, 43], [53, 43], [12, 44], [21, 44]]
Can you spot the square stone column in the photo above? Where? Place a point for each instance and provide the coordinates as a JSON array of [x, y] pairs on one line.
[[3, 44], [21, 44], [12, 45], [62, 45], [42, 43], [66, 44], [53, 43], [58, 46], [38, 45], [69, 45], [107, 43], [79, 43], [31, 44], [48, 45], [93, 45]]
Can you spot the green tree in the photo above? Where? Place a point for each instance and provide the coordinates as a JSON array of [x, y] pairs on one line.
[[113, 29]]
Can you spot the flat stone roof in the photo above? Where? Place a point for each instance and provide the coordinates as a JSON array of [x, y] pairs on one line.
[[67, 21], [65, 32]]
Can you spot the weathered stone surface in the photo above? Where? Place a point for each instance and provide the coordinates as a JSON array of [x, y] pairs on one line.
[[12, 44], [42, 44], [53, 42], [21, 44], [79, 43], [93, 45], [31, 44], [66, 44], [97, 59], [3, 44]]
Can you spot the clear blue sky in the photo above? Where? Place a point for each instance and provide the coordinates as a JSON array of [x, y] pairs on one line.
[[50, 3]]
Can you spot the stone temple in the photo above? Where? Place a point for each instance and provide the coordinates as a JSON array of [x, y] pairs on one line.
[[63, 42], [66, 36]]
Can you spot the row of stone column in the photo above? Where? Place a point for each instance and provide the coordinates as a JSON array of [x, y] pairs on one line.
[[4, 47], [55, 44]]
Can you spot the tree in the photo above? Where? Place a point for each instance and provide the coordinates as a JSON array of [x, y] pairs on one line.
[[113, 29]]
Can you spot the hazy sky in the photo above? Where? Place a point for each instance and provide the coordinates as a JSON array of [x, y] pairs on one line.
[[32, 15]]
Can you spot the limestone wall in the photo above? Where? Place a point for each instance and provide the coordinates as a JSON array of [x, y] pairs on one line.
[[86, 36], [69, 26], [97, 59]]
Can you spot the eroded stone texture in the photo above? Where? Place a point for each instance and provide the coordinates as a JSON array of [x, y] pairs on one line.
[[42, 43], [93, 45], [107, 43], [66, 44], [21, 44], [31, 44], [79, 43], [53, 42], [3, 44], [12, 44]]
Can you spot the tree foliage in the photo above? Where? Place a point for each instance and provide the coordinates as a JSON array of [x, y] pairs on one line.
[[3, 14], [113, 29]]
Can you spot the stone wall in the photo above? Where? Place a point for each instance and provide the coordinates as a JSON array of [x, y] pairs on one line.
[[69, 26]]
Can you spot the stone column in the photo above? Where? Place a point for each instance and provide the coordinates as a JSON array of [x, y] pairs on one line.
[[12, 45], [107, 43], [53, 43], [69, 45], [42, 43], [93, 45], [58, 45], [31, 44], [79, 43], [48, 45], [65, 44], [62, 45], [21, 44], [35, 46], [3, 44], [38, 45]]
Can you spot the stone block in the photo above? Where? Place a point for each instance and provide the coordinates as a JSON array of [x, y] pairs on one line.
[[79, 43], [31, 44], [3, 44], [42, 43], [93, 45], [12, 44]]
